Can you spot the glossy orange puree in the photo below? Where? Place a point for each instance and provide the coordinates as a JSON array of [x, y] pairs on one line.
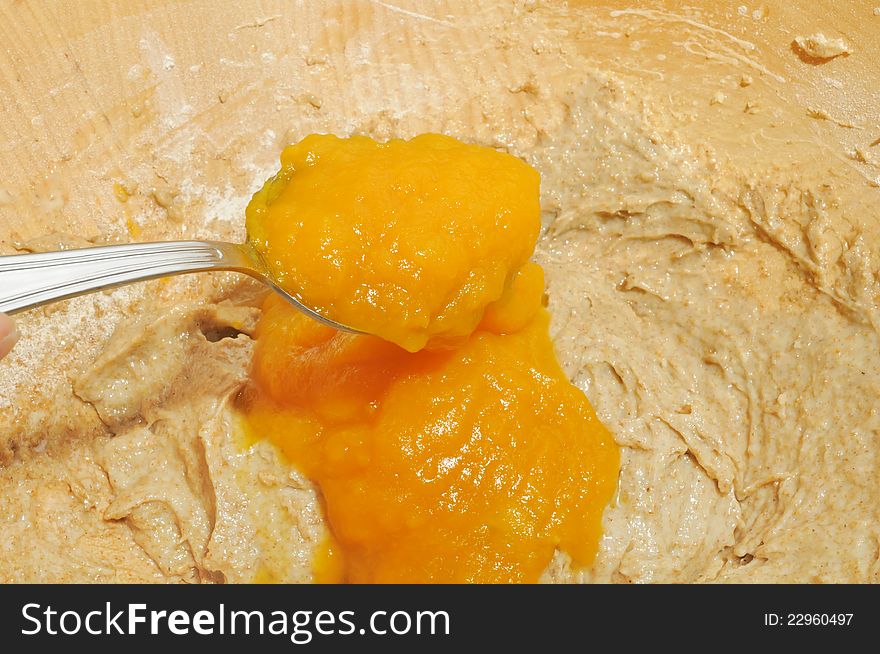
[[409, 240], [449, 464]]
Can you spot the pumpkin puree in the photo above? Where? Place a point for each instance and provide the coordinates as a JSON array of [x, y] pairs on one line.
[[470, 460]]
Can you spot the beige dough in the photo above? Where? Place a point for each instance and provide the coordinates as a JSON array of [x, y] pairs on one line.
[[712, 249], [820, 46]]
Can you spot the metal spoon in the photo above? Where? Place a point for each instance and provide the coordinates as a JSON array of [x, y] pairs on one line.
[[31, 280]]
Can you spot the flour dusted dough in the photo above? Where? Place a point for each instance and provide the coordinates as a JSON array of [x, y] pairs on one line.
[[712, 271]]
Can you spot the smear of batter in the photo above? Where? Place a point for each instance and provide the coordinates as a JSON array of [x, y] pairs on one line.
[[820, 47]]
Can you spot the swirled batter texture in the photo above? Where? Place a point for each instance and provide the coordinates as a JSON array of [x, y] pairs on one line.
[[710, 245]]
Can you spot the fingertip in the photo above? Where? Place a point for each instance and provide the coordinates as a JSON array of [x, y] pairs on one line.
[[8, 335]]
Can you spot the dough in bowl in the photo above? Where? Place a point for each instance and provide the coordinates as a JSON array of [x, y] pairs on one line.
[[711, 244]]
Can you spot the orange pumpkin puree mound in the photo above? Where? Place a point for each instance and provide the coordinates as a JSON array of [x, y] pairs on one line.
[[472, 463], [409, 240]]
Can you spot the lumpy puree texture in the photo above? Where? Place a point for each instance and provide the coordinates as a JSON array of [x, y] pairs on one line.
[[409, 240], [467, 464]]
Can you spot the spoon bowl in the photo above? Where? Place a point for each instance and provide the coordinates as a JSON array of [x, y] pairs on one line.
[[31, 280]]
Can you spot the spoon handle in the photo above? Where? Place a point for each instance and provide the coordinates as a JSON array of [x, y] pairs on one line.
[[31, 280]]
